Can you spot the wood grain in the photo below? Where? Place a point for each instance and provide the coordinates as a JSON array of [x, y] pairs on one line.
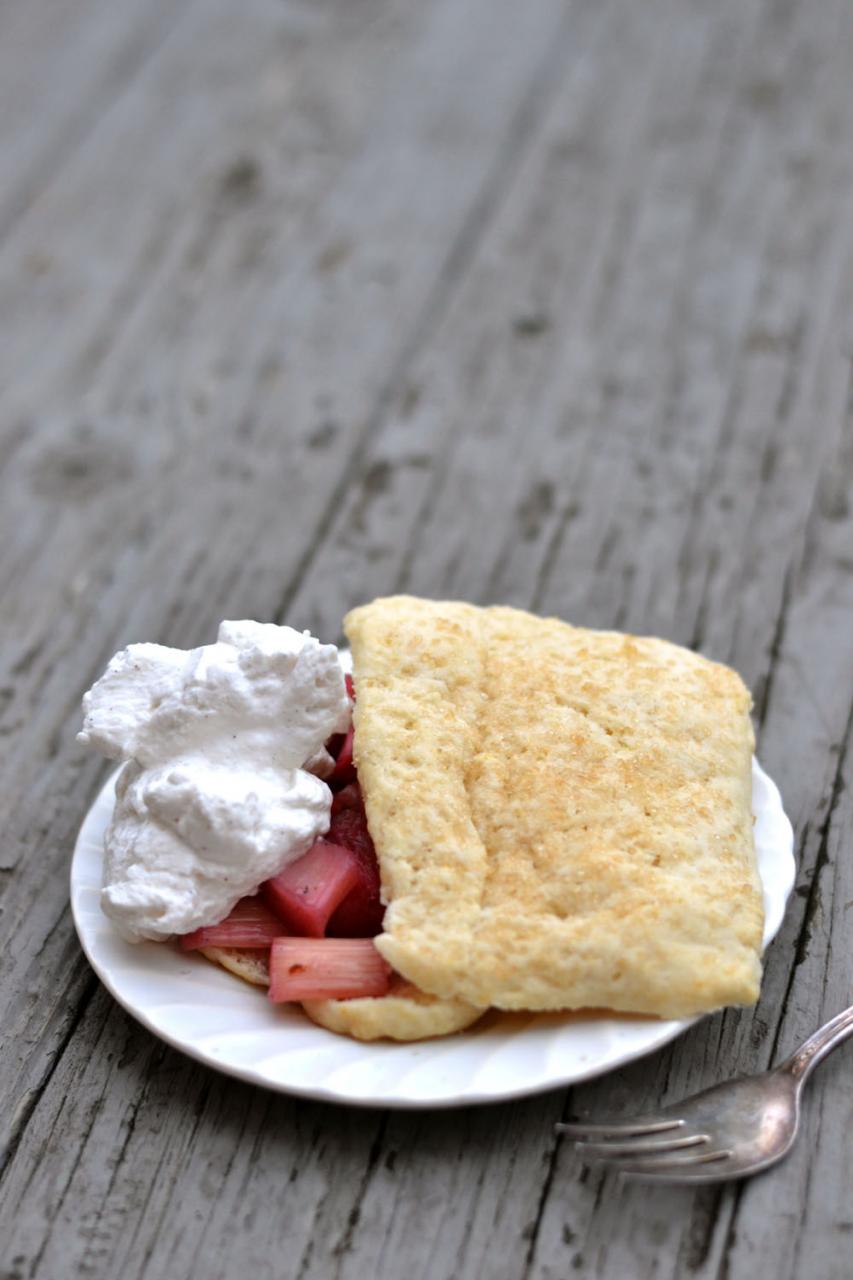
[[306, 302]]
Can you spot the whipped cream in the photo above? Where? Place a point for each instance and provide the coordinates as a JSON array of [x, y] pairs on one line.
[[224, 745]]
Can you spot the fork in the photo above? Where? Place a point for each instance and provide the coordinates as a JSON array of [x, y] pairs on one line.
[[731, 1130]]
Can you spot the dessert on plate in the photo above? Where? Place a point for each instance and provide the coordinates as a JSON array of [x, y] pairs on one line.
[[495, 810]]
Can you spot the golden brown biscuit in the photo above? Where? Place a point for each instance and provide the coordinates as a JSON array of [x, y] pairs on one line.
[[251, 966], [562, 817], [404, 1014]]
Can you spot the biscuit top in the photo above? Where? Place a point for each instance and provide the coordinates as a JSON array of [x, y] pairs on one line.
[[562, 817]]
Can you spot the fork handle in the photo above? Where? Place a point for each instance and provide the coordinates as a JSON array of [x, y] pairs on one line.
[[802, 1063]]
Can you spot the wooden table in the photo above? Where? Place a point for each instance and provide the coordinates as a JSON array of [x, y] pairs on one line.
[[306, 301]]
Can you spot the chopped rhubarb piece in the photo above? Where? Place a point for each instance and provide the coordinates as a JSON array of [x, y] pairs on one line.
[[250, 924], [348, 798], [344, 770], [306, 893], [326, 969], [361, 913], [348, 681]]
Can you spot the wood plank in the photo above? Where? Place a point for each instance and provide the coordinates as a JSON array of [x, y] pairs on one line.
[[813, 690], [62, 66], [517, 350]]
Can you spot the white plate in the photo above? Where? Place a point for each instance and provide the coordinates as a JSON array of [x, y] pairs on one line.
[[207, 1013]]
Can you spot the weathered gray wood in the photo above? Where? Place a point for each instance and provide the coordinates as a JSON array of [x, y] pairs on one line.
[[545, 303], [64, 66]]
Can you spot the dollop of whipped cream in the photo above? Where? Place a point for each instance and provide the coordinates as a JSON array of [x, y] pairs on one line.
[[224, 745]]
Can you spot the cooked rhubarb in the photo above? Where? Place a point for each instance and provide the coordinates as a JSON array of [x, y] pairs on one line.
[[306, 893], [361, 913], [348, 798], [250, 924], [326, 969], [344, 770]]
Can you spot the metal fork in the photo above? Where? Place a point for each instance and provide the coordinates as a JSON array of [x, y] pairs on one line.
[[731, 1130]]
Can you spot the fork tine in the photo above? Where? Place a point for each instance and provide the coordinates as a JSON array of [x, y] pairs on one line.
[[673, 1169], [637, 1147], [619, 1128]]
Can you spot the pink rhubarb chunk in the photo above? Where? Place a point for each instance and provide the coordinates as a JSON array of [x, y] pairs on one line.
[[250, 924], [307, 892], [326, 969], [361, 913], [344, 770], [348, 798]]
